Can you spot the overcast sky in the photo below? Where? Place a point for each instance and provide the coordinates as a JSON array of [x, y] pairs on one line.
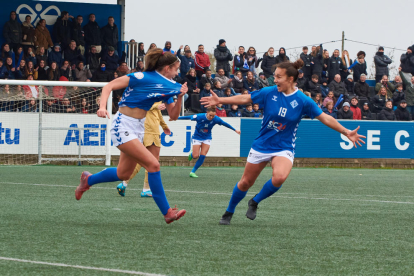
[[271, 23]]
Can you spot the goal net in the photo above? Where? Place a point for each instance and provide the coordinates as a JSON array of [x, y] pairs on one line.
[[53, 122]]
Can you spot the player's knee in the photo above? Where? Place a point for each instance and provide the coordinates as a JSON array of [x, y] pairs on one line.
[[278, 179], [245, 184], [123, 175], [154, 167], [195, 155]]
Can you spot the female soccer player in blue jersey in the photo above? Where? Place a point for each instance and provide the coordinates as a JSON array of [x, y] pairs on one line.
[[202, 135], [284, 107], [142, 90]]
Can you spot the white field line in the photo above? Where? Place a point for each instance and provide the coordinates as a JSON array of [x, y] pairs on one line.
[[81, 267], [281, 195]]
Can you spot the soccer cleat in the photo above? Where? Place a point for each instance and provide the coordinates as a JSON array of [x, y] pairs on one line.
[[121, 189], [83, 186], [146, 194], [193, 175], [190, 156], [225, 219], [251, 212], [174, 214]]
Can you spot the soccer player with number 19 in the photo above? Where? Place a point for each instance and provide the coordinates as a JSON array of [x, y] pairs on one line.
[[284, 107]]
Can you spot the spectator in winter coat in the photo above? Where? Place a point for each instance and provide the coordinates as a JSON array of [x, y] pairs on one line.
[[237, 82], [346, 63], [324, 87], [248, 112], [223, 79], [73, 54], [217, 88], [66, 70], [220, 111], [282, 57], [356, 111], [325, 60], [187, 62], [317, 61], [93, 59], [240, 62], [234, 111], [252, 59], [78, 34], [30, 55], [387, 114], [313, 86], [262, 81], [43, 38], [101, 75], [362, 89], [407, 63], [41, 71], [330, 110], [53, 72], [302, 82], [409, 92], [82, 73], [318, 100], [111, 59], [28, 33], [93, 34], [10, 70], [109, 34], [329, 98], [268, 61], [365, 112], [12, 32], [202, 61], [350, 85], [62, 30], [257, 112], [41, 56], [379, 100], [381, 64], [250, 83], [337, 86], [345, 112], [223, 56], [359, 68], [56, 56], [387, 84], [398, 95], [206, 78], [307, 59], [191, 80], [167, 47], [335, 65], [401, 113]]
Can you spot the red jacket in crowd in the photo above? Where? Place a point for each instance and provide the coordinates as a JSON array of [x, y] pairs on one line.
[[221, 112], [357, 112], [201, 61]]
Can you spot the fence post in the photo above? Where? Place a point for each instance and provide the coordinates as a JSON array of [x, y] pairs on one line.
[[39, 143]]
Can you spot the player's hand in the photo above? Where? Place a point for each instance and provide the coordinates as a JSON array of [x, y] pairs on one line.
[[184, 89], [210, 101], [238, 132], [162, 107], [355, 138], [171, 120], [167, 131], [103, 113]]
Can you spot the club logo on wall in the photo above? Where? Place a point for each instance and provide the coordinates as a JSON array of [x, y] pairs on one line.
[[50, 14]]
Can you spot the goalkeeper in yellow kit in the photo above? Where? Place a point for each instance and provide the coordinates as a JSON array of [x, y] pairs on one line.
[[152, 141]]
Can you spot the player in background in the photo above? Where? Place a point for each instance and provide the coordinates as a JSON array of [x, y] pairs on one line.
[[142, 90], [284, 107], [201, 138], [152, 142]]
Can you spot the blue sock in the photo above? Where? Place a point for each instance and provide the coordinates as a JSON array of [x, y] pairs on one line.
[[198, 164], [236, 197], [267, 190], [107, 175], [154, 181]]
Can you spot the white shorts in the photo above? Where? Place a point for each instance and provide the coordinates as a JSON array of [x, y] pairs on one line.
[[199, 142], [256, 157], [125, 129]]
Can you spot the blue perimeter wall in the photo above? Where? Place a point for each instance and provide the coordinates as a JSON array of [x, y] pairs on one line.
[[315, 140]]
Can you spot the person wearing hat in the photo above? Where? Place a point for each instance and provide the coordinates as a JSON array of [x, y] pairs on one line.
[[381, 64], [111, 59], [401, 113], [167, 47], [350, 85], [360, 66], [101, 75], [223, 56], [345, 112], [302, 82], [56, 55], [365, 112], [407, 63], [324, 87], [263, 82], [398, 95], [362, 89]]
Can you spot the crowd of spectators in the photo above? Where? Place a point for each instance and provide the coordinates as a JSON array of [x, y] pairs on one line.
[[88, 52]]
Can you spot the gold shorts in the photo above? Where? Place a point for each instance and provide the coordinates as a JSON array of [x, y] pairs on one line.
[[152, 139]]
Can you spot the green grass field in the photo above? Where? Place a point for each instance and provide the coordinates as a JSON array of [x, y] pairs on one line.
[[322, 222]]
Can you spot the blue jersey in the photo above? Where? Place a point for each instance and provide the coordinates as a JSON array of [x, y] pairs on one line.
[[281, 118], [147, 88], [204, 125]]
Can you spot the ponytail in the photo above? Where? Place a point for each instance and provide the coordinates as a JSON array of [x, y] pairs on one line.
[[156, 59], [292, 69]]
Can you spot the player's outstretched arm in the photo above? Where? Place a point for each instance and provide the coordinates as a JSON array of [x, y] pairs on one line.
[[215, 100], [175, 108], [331, 122], [116, 84]]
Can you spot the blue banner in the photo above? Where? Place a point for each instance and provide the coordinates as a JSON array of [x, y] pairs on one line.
[[315, 140]]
